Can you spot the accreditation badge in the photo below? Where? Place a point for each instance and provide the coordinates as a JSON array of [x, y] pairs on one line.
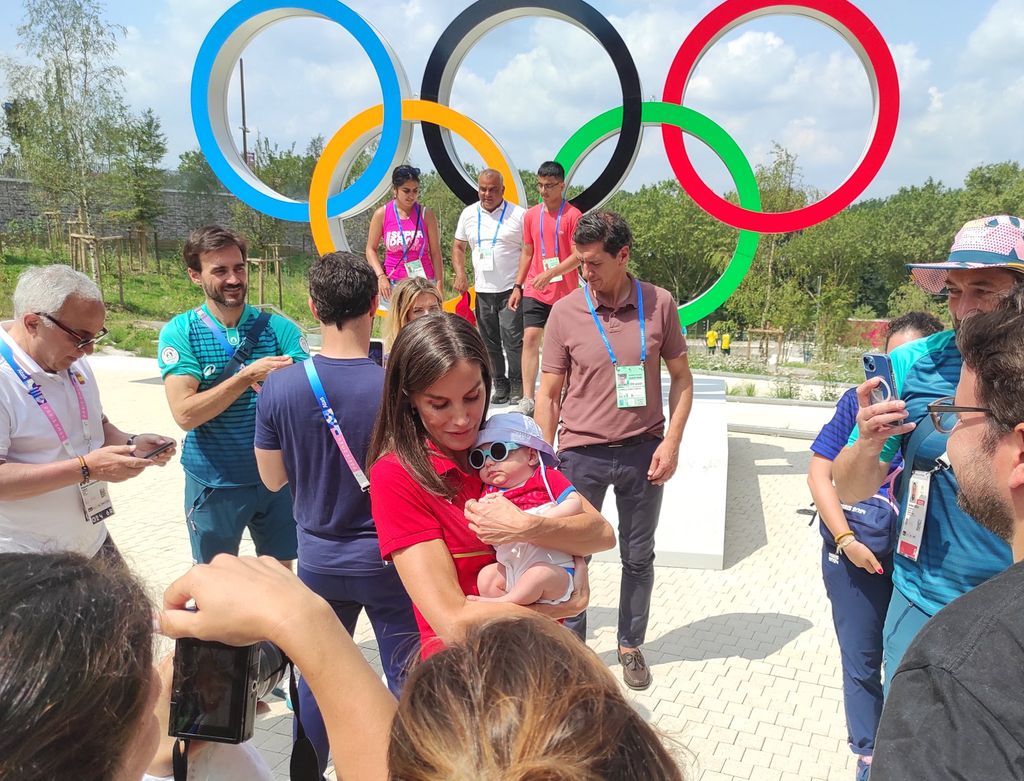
[[96, 500], [630, 387], [912, 527], [414, 268], [483, 258], [551, 263]]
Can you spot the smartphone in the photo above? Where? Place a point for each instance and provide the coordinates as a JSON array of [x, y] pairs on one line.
[[377, 351], [157, 451], [879, 365]]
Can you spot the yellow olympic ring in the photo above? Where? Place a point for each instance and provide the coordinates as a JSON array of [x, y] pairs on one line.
[[413, 110]]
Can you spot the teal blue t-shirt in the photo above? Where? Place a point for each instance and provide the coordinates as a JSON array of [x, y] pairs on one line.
[[220, 453], [957, 553]]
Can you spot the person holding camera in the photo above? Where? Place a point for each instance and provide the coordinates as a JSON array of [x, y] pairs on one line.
[[313, 425]]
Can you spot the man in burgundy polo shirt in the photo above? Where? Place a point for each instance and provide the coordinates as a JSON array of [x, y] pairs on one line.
[[604, 345]]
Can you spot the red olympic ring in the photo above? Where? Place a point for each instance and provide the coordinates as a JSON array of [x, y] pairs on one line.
[[853, 26]]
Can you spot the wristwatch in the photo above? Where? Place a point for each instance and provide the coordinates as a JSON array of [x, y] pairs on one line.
[[517, 285]]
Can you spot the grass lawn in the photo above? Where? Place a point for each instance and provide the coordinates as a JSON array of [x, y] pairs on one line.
[[153, 298]]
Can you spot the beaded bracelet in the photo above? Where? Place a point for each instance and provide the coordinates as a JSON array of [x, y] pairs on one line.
[[85, 469]]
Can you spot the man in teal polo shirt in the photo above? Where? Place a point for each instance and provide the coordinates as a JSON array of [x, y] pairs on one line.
[[213, 359], [952, 553]]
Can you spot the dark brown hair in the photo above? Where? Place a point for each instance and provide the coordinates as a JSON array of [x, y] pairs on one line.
[[425, 350], [992, 346], [76, 659], [606, 227], [210, 238], [923, 323], [521, 699]]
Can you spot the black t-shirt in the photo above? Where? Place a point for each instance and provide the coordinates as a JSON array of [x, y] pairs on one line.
[[956, 706]]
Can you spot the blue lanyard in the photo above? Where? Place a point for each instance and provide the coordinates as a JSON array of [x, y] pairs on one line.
[[558, 221], [416, 229], [501, 219], [604, 336], [217, 333], [332, 423]]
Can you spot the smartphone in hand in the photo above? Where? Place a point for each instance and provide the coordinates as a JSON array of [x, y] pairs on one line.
[[879, 365], [158, 450]]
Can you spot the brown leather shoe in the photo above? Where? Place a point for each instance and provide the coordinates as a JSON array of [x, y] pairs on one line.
[[635, 672]]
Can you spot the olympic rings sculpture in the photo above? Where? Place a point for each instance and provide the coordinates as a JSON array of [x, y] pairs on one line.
[[393, 119]]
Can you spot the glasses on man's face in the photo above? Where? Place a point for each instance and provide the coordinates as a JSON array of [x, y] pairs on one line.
[[498, 451], [946, 415], [544, 187], [81, 342]]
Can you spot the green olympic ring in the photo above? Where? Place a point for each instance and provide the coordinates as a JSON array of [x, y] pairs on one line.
[[721, 143]]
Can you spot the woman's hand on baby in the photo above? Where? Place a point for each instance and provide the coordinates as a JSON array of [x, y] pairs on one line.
[[496, 521], [578, 601]]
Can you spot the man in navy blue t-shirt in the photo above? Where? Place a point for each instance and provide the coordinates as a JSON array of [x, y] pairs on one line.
[[313, 425]]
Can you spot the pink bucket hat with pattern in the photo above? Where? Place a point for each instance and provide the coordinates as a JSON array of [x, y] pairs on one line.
[[990, 242]]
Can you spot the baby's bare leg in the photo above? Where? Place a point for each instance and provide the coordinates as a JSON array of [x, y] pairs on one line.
[[490, 581], [540, 581]]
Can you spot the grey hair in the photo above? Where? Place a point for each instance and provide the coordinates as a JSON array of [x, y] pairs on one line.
[[491, 173], [46, 288]]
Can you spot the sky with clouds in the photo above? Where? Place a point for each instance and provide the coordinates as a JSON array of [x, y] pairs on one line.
[[532, 82]]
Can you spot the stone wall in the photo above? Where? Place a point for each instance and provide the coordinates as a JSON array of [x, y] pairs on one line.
[[183, 211]]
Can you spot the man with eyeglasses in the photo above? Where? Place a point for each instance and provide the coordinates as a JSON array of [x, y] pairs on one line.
[[547, 268], [493, 231], [941, 552], [954, 705], [58, 450]]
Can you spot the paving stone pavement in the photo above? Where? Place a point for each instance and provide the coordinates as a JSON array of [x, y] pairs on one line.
[[745, 662]]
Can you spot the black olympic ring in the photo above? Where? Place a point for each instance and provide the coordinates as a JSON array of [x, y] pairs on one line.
[[467, 28]]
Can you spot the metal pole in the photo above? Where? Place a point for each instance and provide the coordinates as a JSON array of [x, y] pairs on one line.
[[245, 127]]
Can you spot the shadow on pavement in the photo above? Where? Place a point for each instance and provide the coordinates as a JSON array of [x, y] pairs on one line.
[[750, 636], [745, 531]]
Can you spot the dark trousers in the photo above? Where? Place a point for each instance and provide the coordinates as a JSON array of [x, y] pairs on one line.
[[501, 327], [595, 468], [390, 612], [859, 604]]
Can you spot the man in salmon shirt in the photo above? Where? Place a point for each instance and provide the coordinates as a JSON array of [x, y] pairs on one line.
[[547, 268]]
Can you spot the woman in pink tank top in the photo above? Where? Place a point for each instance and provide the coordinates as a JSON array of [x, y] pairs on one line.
[[408, 230]]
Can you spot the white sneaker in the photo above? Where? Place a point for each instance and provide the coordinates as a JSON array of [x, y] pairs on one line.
[[526, 407]]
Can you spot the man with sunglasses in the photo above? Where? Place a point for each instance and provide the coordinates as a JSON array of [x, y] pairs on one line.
[[954, 705], [58, 450], [941, 552]]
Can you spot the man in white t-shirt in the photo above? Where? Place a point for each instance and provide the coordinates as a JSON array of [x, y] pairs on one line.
[[493, 231], [58, 450]]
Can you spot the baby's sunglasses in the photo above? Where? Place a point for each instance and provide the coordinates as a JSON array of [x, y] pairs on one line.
[[498, 451]]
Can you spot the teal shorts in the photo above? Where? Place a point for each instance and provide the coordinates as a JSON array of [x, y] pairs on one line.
[[216, 518]]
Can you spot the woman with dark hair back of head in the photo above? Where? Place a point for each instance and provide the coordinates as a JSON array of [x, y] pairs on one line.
[[412, 298], [856, 561], [409, 232], [77, 683], [423, 491]]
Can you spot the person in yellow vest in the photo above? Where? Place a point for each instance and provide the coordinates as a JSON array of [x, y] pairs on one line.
[[726, 344], [712, 341]]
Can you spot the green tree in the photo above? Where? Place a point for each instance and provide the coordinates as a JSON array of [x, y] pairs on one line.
[[136, 175], [69, 96]]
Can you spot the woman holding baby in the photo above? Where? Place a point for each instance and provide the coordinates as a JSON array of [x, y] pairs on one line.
[[425, 495]]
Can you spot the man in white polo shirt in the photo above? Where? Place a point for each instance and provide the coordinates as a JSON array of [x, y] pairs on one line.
[[493, 230], [58, 451]]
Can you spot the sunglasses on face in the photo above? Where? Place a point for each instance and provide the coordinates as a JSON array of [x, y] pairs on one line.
[[498, 451], [81, 342], [946, 415]]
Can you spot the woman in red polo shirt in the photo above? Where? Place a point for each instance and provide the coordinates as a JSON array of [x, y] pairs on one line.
[[423, 492]]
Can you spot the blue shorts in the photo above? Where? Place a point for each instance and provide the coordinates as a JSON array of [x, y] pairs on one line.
[[216, 518]]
